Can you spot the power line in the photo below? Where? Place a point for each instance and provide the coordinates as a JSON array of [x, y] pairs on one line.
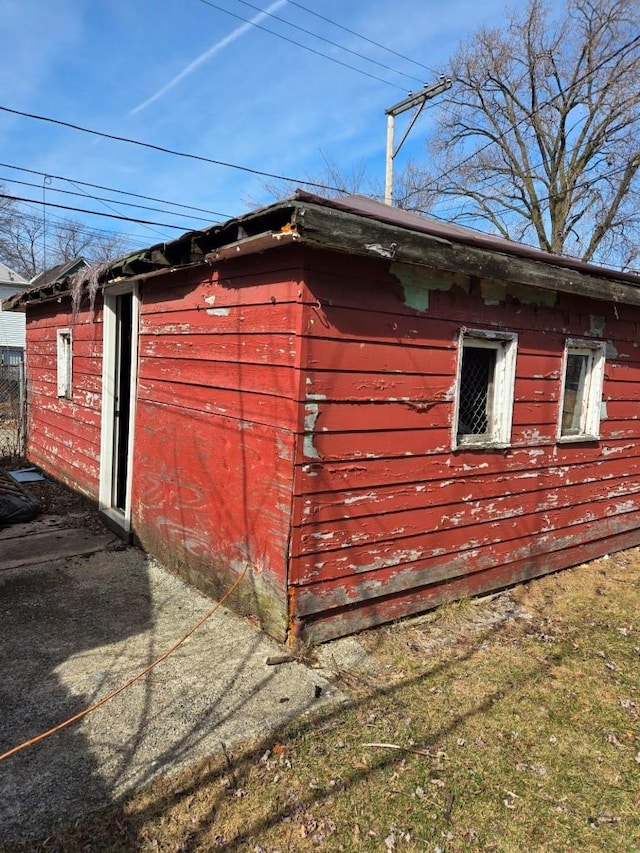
[[101, 198], [542, 106], [498, 180], [360, 36], [199, 157], [332, 43], [304, 47], [115, 190], [110, 207], [576, 186], [64, 224], [44, 247], [92, 212]]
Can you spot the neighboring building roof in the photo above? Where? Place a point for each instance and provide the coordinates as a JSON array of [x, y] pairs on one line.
[[57, 273], [361, 226], [10, 278]]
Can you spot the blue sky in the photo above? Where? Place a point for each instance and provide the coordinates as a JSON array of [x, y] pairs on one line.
[[188, 76]]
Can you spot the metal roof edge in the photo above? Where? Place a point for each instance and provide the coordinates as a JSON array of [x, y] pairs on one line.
[[368, 208], [360, 222], [337, 230]]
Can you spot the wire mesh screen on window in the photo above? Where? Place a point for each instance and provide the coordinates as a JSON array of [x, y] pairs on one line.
[[476, 381]]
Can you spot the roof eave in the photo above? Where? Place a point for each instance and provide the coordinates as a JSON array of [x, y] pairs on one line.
[[359, 226]]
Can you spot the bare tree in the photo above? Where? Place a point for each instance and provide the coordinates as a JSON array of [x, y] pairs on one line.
[[336, 180], [29, 245], [21, 242], [72, 239], [540, 138]]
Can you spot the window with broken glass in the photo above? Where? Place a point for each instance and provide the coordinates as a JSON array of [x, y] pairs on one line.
[[581, 396], [486, 376]]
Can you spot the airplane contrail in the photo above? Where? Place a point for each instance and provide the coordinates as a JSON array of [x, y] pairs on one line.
[[206, 56]]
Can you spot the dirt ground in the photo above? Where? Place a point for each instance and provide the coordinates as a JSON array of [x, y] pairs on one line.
[[56, 500]]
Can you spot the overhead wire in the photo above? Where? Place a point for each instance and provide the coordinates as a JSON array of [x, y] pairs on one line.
[[92, 212], [513, 126], [42, 247], [101, 198], [151, 228], [63, 224], [115, 190], [630, 44], [302, 46], [360, 36], [163, 150], [497, 180], [537, 109], [332, 43], [250, 170], [578, 185]]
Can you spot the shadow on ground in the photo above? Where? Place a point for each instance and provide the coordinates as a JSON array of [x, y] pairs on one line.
[[75, 629], [51, 615]]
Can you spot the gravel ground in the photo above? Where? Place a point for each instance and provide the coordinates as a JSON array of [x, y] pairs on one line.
[[74, 629]]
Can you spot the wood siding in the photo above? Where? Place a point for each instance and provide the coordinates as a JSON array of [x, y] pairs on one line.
[[216, 427], [294, 418], [388, 519], [64, 435]]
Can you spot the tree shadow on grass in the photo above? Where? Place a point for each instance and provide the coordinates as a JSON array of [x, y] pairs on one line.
[[129, 827]]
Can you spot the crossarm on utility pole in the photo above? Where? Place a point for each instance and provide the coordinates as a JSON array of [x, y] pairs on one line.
[[413, 100]]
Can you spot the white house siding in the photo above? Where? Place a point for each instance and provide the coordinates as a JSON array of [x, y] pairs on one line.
[[12, 325], [12, 330]]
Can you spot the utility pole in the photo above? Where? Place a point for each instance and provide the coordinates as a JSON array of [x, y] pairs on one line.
[[418, 100]]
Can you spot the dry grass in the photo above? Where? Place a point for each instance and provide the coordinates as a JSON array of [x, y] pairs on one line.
[[515, 727], [11, 419]]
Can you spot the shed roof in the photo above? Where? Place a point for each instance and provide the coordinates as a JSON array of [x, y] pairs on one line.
[[361, 226], [59, 272]]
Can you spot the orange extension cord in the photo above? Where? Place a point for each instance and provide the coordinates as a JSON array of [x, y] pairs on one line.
[[128, 683]]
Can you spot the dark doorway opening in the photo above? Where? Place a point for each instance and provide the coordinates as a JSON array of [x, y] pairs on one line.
[[122, 411]]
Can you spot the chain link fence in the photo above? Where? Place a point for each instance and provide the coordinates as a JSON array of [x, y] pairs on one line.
[[12, 409]]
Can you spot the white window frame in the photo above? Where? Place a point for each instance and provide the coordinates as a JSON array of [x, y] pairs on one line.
[[590, 414], [500, 416], [64, 352], [114, 516]]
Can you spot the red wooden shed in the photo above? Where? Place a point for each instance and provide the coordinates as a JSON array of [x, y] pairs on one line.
[[370, 411]]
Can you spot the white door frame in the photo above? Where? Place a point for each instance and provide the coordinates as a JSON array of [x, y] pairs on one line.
[[119, 518]]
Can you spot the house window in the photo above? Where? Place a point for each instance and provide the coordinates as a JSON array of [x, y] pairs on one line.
[[486, 377], [64, 363], [581, 396]]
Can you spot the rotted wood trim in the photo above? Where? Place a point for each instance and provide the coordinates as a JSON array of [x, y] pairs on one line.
[[251, 245], [343, 232], [387, 608], [347, 591]]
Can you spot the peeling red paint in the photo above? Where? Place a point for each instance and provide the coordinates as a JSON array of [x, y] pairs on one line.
[[294, 416]]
